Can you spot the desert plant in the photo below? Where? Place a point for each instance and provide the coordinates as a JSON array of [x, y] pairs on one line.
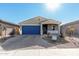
[[0, 32], [17, 31], [70, 30]]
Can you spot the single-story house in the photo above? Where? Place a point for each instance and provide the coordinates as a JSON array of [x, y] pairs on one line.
[[7, 28], [39, 26], [74, 26]]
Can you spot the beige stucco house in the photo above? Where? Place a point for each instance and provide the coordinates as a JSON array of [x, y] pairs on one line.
[[73, 26], [39, 26], [6, 28]]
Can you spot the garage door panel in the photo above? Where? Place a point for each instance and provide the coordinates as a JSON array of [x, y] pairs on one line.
[[31, 30]]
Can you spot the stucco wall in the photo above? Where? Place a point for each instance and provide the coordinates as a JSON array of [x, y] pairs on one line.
[[6, 29], [65, 27]]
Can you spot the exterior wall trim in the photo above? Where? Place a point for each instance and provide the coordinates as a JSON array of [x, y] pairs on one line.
[[30, 24]]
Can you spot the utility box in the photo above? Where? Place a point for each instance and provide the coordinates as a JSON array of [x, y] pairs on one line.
[[54, 37], [54, 34]]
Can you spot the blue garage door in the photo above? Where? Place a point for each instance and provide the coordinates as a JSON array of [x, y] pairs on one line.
[[33, 30]]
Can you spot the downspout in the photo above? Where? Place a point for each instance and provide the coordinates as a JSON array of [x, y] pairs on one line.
[[41, 31], [20, 29]]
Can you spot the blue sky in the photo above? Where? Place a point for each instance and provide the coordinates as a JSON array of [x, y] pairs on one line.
[[16, 13]]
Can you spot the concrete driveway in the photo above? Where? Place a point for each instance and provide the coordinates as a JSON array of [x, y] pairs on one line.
[[26, 42]]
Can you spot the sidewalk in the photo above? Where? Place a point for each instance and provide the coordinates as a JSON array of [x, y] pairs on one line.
[[41, 52]]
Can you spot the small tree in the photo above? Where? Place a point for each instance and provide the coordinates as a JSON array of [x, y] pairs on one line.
[[17, 31], [70, 30], [0, 32]]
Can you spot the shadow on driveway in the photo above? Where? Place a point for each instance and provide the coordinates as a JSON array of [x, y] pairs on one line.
[[3, 39]]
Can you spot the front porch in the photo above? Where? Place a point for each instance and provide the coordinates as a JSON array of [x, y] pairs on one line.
[[46, 28], [50, 26], [50, 29]]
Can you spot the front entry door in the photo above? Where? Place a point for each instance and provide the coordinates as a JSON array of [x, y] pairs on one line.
[[44, 29]]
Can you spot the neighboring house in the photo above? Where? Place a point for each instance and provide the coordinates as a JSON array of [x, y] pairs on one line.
[[39, 26], [73, 25], [7, 29]]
